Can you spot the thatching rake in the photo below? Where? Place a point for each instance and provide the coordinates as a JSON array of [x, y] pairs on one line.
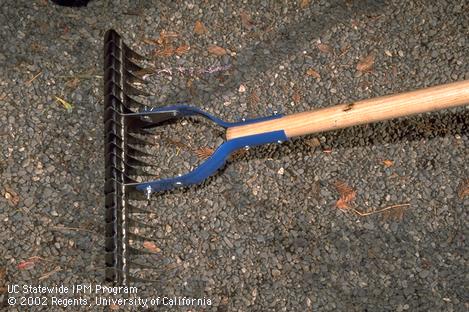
[[126, 121]]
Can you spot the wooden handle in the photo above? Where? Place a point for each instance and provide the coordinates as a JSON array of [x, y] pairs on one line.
[[361, 112]]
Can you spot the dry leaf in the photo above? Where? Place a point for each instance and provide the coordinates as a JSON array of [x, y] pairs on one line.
[[296, 97], [347, 194], [366, 64], [199, 28], [150, 246], [204, 152], [304, 3], [388, 163], [182, 49], [463, 189], [324, 48], [164, 34], [312, 73], [246, 20], [165, 52], [150, 41], [313, 142], [216, 50], [254, 98]]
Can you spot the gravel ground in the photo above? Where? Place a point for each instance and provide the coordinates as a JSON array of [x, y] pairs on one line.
[[265, 234]]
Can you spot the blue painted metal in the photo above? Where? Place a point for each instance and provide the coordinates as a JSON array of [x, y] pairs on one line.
[[182, 110], [212, 164], [217, 159]]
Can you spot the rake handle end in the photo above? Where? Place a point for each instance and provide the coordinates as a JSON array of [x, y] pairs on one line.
[[361, 112]]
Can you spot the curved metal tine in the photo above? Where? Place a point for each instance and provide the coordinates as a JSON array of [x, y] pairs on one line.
[[135, 223], [112, 72], [118, 43]]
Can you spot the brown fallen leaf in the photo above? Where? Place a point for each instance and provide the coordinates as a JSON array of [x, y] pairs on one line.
[[304, 3], [150, 41], [366, 64], [388, 163], [165, 34], [347, 195], [204, 152], [296, 97], [312, 73], [254, 98], [246, 20], [183, 49], [11, 196], [313, 142], [199, 28], [216, 50], [151, 247], [165, 52], [324, 48], [463, 189]]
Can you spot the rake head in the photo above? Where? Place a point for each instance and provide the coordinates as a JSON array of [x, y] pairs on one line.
[[128, 148]]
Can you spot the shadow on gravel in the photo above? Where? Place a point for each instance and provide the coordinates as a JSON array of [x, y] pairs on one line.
[[390, 132], [270, 52]]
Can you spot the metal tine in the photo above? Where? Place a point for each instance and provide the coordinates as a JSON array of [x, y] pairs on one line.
[[110, 168], [131, 101], [133, 152], [135, 223], [133, 140], [116, 85], [119, 44], [129, 76], [138, 153], [132, 161], [113, 60], [130, 168], [131, 90]]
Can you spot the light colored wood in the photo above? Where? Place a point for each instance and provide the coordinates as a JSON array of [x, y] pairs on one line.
[[361, 112]]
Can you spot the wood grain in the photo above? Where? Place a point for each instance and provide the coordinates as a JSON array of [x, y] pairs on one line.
[[361, 112]]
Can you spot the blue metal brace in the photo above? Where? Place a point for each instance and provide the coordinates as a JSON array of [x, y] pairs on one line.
[[217, 159]]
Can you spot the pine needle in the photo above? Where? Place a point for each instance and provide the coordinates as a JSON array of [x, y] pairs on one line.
[[365, 214]]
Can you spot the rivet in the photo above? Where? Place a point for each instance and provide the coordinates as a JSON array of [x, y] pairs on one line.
[[275, 112], [148, 191], [279, 141], [246, 147], [243, 119], [178, 183]]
